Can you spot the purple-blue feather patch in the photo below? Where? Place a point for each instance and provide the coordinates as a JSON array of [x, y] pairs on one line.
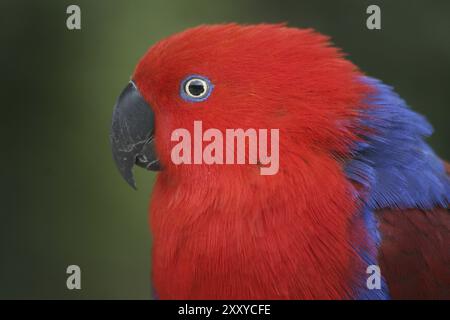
[[394, 165]]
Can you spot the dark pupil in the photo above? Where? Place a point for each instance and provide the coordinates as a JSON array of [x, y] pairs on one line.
[[196, 88]]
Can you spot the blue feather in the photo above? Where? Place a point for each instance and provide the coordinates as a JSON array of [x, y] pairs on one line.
[[395, 166]]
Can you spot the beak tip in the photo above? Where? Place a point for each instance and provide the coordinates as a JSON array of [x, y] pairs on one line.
[[124, 164], [132, 183]]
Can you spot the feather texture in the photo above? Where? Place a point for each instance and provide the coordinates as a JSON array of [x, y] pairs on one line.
[[395, 168], [414, 255]]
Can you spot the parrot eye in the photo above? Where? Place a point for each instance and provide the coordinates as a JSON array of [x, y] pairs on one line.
[[195, 88]]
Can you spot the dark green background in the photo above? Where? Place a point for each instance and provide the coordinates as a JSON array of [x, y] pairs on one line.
[[63, 201]]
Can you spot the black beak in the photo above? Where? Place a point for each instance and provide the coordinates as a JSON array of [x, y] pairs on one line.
[[132, 129]]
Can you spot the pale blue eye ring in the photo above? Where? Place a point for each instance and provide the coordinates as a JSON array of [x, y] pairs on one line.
[[195, 88]]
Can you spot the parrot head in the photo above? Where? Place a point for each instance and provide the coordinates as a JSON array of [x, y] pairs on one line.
[[233, 76]]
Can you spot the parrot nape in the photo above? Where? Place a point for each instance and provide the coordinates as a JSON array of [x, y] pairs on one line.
[[357, 184]]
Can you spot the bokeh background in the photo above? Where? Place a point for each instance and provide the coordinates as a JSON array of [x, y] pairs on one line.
[[62, 200]]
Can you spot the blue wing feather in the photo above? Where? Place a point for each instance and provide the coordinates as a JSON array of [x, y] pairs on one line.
[[394, 165]]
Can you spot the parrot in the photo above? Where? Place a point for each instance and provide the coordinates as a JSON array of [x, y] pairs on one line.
[[357, 210]]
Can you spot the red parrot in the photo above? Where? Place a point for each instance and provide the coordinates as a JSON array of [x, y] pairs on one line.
[[356, 184]]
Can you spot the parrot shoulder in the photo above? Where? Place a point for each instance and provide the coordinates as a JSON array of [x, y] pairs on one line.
[[404, 188]]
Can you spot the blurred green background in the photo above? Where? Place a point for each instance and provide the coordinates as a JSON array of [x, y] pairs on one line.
[[63, 202]]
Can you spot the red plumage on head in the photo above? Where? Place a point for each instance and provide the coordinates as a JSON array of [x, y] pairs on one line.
[[225, 231]]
